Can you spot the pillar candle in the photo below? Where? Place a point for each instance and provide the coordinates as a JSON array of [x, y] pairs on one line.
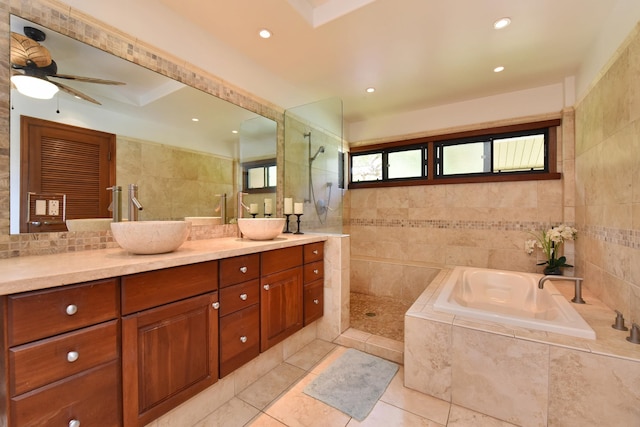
[[253, 208], [288, 205], [298, 209], [268, 206]]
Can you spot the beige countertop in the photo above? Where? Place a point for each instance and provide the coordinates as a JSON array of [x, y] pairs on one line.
[[46, 271]]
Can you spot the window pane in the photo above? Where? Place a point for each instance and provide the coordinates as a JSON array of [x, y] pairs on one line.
[[255, 178], [272, 176], [518, 153], [405, 164], [366, 167], [465, 158]]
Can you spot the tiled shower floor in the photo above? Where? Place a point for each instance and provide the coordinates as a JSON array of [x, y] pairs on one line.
[[376, 315]]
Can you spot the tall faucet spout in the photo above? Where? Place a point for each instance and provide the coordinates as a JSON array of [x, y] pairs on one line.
[[134, 203]]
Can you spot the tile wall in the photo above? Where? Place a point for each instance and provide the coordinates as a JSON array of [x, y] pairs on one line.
[[608, 182]]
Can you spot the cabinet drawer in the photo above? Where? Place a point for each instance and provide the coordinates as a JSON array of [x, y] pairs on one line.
[[42, 362], [237, 297], [239, 338], [91, 397], [239, 269], [40, 314], [313, 301], [154, 288], [313, 252], [313, 271], [281, 259]]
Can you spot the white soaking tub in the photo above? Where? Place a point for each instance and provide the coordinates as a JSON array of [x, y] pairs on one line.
[[510, 298]]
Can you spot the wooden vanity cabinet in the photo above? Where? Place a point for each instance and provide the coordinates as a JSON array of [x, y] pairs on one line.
[[239, 311], [313, 282], [280, 295], [64, 356], [170, 337]]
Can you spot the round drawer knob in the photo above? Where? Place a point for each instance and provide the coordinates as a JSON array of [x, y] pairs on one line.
[[315, 252], [243, 297], [243, 339], [71, 309], [72, 356], [243, 269], [266, 287], [316, 271], [216, 305], [315, 301], [74, 423]]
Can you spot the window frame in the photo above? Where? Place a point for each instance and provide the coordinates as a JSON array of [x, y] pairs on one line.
[[265, 165], [429, 144]]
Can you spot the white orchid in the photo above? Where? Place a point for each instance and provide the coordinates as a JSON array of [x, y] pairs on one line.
[[550, 242]]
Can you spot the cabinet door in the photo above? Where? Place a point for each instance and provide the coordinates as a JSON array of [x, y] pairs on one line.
[[280, 306], [170, 353]]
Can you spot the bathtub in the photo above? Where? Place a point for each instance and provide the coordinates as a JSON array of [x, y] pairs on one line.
[[510, 298]]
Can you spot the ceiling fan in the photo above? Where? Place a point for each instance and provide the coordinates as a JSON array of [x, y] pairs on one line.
[[34, 60]]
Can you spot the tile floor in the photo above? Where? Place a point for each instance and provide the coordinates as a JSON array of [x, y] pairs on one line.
[[277, 400]]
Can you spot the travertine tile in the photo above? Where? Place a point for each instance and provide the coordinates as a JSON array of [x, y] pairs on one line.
[[415, 402], [264, 420], [296, 409], [500, 376], [262, 392], [234, 413], [386, 348], [311, 354], [257, 367], [592, 390], [463, 417], [384, 414]]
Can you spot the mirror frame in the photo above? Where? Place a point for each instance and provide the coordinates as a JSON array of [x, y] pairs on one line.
[[87, 29]]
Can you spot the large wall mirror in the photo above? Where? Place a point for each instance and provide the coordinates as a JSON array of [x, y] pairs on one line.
[[181, 146]]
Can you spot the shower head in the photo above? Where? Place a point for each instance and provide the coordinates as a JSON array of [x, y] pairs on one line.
[[320, 150]]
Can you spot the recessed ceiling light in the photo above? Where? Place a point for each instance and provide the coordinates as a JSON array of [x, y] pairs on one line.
[[371, 89], [264, 33], [498, 69], [195, 119], [501, 23], [234, 131]]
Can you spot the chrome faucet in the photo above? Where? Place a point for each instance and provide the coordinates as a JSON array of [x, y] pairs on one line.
[[222, 207], [134, 204], [577, 298], [116, 203], [241, 206]]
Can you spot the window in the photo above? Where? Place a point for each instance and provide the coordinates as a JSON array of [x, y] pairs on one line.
[[509, 153], [259, 176]]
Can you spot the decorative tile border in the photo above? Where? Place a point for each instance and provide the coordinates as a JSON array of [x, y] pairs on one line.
[[626, 238]]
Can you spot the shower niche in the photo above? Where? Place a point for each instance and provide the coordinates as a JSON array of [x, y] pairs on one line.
[[314, 163]]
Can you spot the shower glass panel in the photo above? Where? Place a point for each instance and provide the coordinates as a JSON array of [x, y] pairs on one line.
[[313, 163]]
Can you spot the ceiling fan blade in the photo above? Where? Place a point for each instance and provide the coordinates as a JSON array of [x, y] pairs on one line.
[[86, 79], [25, 51], [74, 92]]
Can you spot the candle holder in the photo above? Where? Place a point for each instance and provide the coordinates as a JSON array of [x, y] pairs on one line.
[[286, 229], [253, 215], [298, 220]]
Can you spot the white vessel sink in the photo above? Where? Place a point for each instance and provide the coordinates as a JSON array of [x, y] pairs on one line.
[[204, 220], [89, 224], [150, 237], [261, 228]]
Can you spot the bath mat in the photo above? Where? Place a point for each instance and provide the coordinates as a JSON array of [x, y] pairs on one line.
[[353, 383]]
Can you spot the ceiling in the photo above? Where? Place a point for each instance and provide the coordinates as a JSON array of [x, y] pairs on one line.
[[416, 53]]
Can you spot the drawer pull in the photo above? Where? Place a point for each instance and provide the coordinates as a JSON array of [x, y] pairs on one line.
[[316, 271], [74, 423], [316, 301], [243, 269], [243, 339], [71, 309], [315, 252], [243, 297], [266, 287], [215, 305], [72, 356]]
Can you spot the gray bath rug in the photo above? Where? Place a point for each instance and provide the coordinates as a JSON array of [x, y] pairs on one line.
[[353, 383]]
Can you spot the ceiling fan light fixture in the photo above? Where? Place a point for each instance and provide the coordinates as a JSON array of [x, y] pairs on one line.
[[34, 87]]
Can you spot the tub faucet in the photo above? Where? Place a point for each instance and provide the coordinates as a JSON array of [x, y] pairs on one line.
[[577, 298], [134, 204]]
